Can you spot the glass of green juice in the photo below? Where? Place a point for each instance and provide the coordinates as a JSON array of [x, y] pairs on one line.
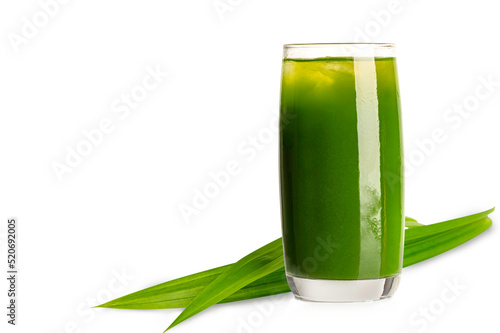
[[341, 171]]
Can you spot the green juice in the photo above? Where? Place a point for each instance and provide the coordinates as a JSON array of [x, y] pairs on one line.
[[341, 168]]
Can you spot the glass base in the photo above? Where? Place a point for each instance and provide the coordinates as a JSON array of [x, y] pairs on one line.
[[342, 291]]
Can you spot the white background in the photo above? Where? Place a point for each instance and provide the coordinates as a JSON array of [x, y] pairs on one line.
[[119, 208]]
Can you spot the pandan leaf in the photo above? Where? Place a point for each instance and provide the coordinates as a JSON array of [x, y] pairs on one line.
[[252, 267], [253, 276]]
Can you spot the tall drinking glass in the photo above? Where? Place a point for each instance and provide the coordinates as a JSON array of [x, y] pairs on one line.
[[341, 169]]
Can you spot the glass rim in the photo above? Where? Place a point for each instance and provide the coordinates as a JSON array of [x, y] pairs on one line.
[[297, 45], [321, 50]]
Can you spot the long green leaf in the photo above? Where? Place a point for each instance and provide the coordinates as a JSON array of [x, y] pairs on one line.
[[442, 242], [168, 295], [415, 234], [180, 292], [252, 267]]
